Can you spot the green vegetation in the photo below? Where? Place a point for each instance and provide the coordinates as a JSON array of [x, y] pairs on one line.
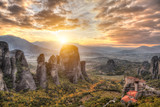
[[154, 83], [94, 94]]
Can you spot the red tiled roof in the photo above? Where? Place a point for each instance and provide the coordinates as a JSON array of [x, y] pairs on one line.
[[132, 93], [133, 100], [126, 99]]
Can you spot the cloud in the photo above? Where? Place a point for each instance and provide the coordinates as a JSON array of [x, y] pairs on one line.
[[48, 18], [36, 14], [121, 21], [134, 36], [16, 10], [129, 21], [54, 3], [2, 4]]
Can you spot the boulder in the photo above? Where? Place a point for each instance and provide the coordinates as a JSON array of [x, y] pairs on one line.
[[22, 77], [41, 72], [155, 67], [53, 69], [5, 64], [70, 62]]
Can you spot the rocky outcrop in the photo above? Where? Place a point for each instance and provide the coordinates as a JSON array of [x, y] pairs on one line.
[[5, 64], [53, 69], [22, 77], [14, 65], [83, 70], [41, 72], [70, 62], [58, 59], [3, 86], [155, 67], [111, 66], [144, 69], [13, 70], [159, 65]]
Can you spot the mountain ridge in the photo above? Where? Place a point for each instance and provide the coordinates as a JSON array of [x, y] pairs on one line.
[[22, 44]]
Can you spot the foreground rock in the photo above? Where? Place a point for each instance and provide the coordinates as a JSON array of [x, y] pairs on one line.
[[41, 72], [70, 62], [5, 64], [53, 69], [22, 77]]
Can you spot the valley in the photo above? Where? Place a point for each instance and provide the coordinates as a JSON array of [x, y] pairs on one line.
[[105, 81]]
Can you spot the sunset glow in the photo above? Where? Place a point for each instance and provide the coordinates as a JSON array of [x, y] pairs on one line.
[[63, 40], [125, 23]]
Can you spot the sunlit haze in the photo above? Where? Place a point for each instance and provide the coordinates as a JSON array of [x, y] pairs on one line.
[[63, 40]]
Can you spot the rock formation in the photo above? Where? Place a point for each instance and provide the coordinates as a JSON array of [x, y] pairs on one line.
[[41, 72], [22, 77], [70, 62], [14, 65], [144, 70], [155, 67], [111, 66], [13, 70], [3, 86], [53, 69], [58, 59], [5, 64], [83, 70]]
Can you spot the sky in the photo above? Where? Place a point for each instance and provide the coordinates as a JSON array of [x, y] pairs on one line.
[[116, 23]]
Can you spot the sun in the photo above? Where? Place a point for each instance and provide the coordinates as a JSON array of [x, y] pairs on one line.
[[63, 40]]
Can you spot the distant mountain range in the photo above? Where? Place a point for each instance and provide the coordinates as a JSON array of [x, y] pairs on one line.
[[53, 47], [143, 49], [87, 51], [22, 44]]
